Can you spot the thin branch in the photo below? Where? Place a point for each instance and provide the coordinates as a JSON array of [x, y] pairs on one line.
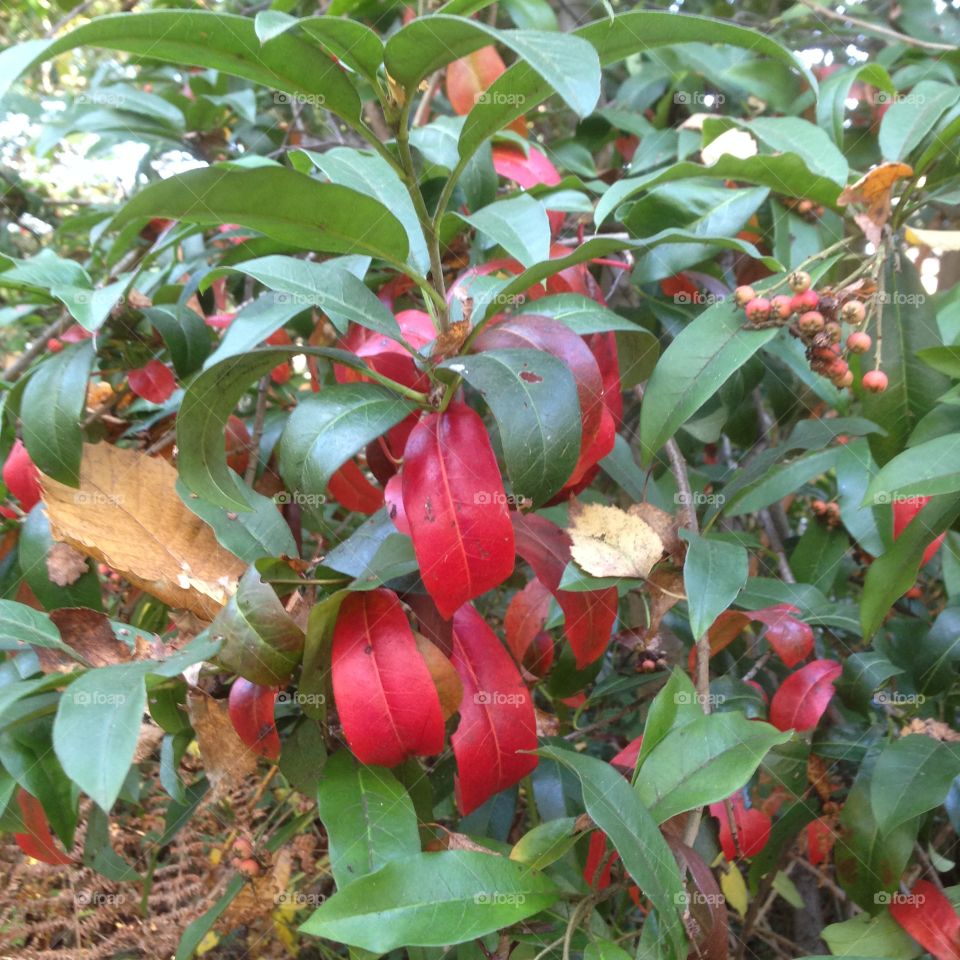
[[880, 31]]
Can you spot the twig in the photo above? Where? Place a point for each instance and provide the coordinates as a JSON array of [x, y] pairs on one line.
[[776, 545], [422, 113], [887, 32], [71, 15], [253, 447], [14, 369]]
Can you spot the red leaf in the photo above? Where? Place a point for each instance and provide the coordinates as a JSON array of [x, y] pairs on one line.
[[251, 708], [752, 828], [626, 759], [604, 348], [528, 170], [37, 842], [386, 699], [154, 382], [21, 476], [596, 871], [353, 491], [588, 616], [804, 696], [456, 507], [525, 617], [386, 355], [928, 916], [497, 719], [542, 333], [393, 495], [903, 513], [820, 840], [470, 75], [791, 638]]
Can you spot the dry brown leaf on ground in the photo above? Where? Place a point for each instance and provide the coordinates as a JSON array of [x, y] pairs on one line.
[[126, 513], [226, 759], [610, 542], [445, 677], [873, 191]]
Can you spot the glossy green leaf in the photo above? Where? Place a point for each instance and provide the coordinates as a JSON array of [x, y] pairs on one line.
[[22, 625], [348, 40], [546, 843], [566, 63], [891, 575], [432, 900], [260, 640], [703, 761], [912, 776], [368, 817], [519, 225], [52, 404], [534, 400], [210, 40], [278, 202], [676, 705], [328, 428], [185, 333], [912, 116], [835, 90], [926, 469], [618, 812], [714, 572], [520, 89], [863, 935]]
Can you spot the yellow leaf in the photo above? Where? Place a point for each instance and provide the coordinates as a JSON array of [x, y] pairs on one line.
[[609, 542], [126, 513], [734, 888], [209, 941], [873, 192], [941, 239]]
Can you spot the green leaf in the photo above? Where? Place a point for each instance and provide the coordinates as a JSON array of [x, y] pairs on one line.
[[546, 843], [280, 203], [908, 326], [581, 314], [703, 761], [97, 726], [893, 574], [926, 469], [863, 935], [196, 930], [21, 625], [368, 816], [780, 481], [432, 900], [617, 811], [912, 116], [370, 174], [348, 40], [867, 859], [519, 225], [261, 641], [676, 705], [258, 532], [863, 675], [912, 776], [534, 400], [564, 62], [942, 359], [328, 428], [210, 40], [605, 950], [702, 357], [91, 306], [52, 404], [341, 295], [714, 572], [520, 89], [185, 333], [255, 322], [835, 89], [794, 135]]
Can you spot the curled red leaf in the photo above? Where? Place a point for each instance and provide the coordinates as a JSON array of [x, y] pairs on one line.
[[929, 917], [752, 828], [251, 707], [37, 841], [803, 697]]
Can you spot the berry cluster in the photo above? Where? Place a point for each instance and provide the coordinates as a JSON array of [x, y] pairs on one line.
[[818, 319]]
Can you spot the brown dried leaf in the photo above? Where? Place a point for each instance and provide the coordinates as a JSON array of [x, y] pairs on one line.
[[148, 740], [547, 724], [460, 841], [226, 759], [90, 634], [445, 677], [65, 565], [126, 513], [873, 191], [609, 542], [665, 591]]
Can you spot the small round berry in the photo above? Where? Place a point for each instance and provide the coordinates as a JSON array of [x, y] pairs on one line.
[[874, 381], [781, 307], [242, 847], [54, 345], [841, 383], [838, 369], [799, 281], [808, 300], [249, 866], [758, 310], [811, 322], [832, 329], [853, 312], [804, 207], [743, 295], [859, 342], [819, 506], [826, 354]]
